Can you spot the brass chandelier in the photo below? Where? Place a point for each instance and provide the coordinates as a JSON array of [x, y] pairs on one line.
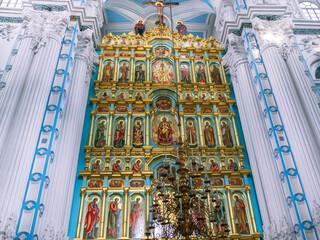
[[181, 210]]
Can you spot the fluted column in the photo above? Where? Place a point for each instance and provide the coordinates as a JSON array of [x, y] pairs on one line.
[[64, 168], [15, 80], [266, 178], [274, 39], [23, 135]]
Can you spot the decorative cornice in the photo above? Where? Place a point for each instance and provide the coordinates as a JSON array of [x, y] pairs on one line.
[[275, 34]]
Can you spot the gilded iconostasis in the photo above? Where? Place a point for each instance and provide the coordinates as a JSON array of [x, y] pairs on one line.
[[149, 91]]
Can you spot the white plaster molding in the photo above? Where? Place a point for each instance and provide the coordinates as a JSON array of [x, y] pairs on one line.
[[86, 51], [42, 25], [316, 215], [50, 233], [6, 31], [235, 55], [278, 230], [94, 8], [275, 33], [8, 232]]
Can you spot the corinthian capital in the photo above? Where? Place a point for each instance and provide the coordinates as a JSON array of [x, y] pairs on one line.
[[85, 50], [275, 33], [235, 55]]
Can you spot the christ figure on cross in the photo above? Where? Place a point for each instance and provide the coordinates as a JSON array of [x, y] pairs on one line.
[[160, 4]]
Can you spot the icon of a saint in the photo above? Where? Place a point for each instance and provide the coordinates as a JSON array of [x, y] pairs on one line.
[[92, 219], [165, 132], [209, 135], [119, 135], [107, 73], [114, 219]]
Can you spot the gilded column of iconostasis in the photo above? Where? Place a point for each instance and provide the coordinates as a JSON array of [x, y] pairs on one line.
[[145, 87]]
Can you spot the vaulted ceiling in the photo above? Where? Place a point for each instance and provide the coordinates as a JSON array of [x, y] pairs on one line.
[[121, 15]]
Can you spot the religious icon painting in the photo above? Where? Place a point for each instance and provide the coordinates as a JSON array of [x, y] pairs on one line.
[[114, 216], [220, 96], [215, 74], [184, 56], [137, 183], [101, 132], [185, 73], [91, 216], [161, 52], [123, 42], [198, 44], [189, 96], [241, 212], [136, 216], [194, 163], [191, 132], [162, 72], [217, 182], [139, 95], [164, 129], [138, 42], [117, 165], [213, 164], [109, 41], [226, 132], [116, 183], [107, 71], [137, 165], [209, 132], [119, 130], [104, 94], [162, 173], [95, 183], [139, 71], [123, 72], [121, 95], [200, 71], [184, 44], [204, 96], [138, 132], [222, 214], [163, 103], [232, 164], [97, 165]]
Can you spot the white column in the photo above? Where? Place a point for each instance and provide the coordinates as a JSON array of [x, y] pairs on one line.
[[15, 80], [63, 171], [266, 177], [19, 147], [274, 41], [302, 81]]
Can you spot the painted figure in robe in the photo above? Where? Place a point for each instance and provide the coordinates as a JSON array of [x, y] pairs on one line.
[[119, 135], [185, 73], [182, 29], [116, 166], [136, 167], [233, 166], [107, 73], [215, 75], [226, 135], [121, 97], [240, 214], [204, 97], [124, 70], [138, 96], [114, 225], [162, 74], [137, 135], [101, 133], [92, 218], [135, 220], [214, 166], [209, 135], [189, 98], [139, 28], [165, 132], [96, 167], [221, 98], [201, 74], [191, 134], [139, 74]]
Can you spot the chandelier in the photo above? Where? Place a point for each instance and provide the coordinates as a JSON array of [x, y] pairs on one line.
[[181, 210]]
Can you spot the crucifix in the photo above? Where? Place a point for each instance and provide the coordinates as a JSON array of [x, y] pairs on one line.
[[160, 4]]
